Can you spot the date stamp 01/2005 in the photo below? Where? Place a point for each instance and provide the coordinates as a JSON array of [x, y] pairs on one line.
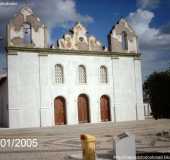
[[18, 143]]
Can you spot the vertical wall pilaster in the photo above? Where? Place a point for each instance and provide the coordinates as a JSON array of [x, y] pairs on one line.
[[45, 116], [115, 74], [139, 90]]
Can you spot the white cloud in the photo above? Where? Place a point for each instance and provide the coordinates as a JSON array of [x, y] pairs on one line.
[[154, 45], [58, 12], [140, 20], [148, 4]]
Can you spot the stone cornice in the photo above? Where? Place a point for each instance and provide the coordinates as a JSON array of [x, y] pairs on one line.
[[47, 51]]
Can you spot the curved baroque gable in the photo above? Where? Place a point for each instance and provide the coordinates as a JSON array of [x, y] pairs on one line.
[[78, 39]]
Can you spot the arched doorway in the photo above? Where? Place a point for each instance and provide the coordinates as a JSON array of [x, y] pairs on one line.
[[83, 109], [59, 111], [105, 108]]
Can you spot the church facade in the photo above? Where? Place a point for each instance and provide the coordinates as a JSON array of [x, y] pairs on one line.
[[75, 81]]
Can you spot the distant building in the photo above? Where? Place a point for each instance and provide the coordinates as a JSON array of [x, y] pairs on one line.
[[75, 81]]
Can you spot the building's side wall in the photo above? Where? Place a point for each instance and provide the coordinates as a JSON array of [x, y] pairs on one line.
[[139, 90], [23, 81], [127, 87], [4, 104]]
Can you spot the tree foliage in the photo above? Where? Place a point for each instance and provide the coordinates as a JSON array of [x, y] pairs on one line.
[[157, 89]]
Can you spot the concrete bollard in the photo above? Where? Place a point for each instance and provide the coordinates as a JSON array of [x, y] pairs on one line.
[[88, 146], [124, 147]]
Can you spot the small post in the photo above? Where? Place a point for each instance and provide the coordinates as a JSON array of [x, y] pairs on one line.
[[88, 146]]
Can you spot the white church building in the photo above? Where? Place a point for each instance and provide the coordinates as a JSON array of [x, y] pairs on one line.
[[75, 81]]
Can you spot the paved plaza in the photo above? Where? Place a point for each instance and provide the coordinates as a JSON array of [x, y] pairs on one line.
[[57, 143]]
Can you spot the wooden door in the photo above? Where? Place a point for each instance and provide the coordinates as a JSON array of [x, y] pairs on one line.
[[83, 109], [105, 108], [59, 111]]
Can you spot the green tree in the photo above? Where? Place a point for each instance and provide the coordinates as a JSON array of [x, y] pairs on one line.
[[157, 89]]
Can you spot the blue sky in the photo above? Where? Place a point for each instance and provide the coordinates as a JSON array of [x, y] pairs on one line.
[[105, 13], [149, 18]]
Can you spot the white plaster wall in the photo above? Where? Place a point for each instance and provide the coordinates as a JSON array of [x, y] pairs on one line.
[[45, 117], [125, 90], [116, 83], [139, 90], [14, 33], [132, 46], [32, 88], [23, 81], [38, 37]]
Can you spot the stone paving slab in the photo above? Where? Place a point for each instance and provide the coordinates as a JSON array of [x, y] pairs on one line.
[[79, 157], [58, 143]]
